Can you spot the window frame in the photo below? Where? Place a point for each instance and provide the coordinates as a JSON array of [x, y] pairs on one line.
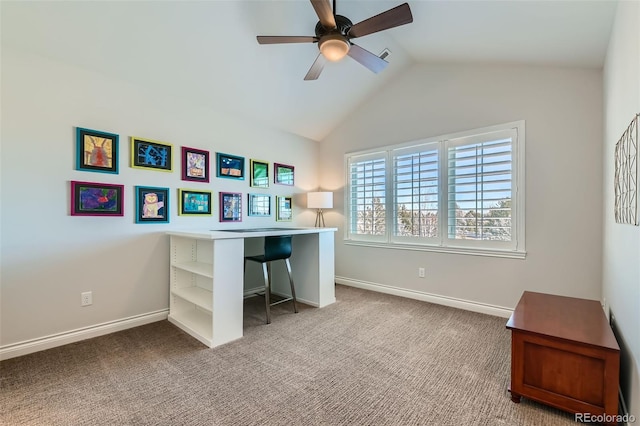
[[442, 243], [362, 157], [394, 153]]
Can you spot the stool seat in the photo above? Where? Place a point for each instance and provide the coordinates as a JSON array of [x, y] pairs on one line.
[[276, 247], [260, 258]]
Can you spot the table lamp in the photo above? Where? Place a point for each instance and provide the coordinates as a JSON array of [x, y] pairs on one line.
[[320, 201]]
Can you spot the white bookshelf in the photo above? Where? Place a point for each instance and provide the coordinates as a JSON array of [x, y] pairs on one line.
[[195, 284]]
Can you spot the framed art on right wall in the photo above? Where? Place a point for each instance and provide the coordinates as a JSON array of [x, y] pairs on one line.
[[627, 154]]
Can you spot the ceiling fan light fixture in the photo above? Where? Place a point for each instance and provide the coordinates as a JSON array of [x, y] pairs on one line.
[[334, 47]]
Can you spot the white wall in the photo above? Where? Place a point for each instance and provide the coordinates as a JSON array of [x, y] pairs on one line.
[[563, 113], [621, 271], [50, 257]]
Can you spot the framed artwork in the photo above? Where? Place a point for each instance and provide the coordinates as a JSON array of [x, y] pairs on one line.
[[283, 174], [627, 155], [96, 151], [195, 164], [284, 209], [96, 199], [150, 154], [230, 207], [192, 202], [152, 205], [229, 166], [259, 174], [259, 205]]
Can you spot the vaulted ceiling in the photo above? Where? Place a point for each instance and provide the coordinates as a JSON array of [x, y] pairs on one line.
[[206, 51]]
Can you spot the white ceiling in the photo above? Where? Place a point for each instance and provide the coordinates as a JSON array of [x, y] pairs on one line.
[[206, 51]]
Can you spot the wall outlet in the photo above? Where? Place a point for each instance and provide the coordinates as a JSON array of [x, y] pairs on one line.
[[421, 273], [86, 298]]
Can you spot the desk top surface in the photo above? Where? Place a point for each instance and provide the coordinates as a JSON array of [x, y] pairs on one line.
[[577, 320], [231, 233]]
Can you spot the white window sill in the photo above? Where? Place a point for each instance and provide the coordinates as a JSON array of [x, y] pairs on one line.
[[511, 254]]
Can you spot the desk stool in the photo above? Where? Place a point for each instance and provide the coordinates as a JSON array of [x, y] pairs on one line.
[[275, 248]]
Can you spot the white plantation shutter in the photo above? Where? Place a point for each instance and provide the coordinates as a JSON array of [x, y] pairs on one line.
[[416, 193], [480, 189], [367, 196], [458, 193]]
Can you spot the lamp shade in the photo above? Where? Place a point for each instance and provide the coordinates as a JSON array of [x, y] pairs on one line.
[[320, 200]]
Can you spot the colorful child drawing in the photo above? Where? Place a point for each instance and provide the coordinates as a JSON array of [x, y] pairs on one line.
[[196, 165], [97, 151], [98, 199], [152, 206]]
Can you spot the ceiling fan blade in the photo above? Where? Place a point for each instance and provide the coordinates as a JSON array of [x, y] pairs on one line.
[[368, 59], [325, 13], [395, 17], [286, 39], [316, 68]]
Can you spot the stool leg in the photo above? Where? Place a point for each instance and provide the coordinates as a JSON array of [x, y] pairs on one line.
[[293, 290], [266, 269]]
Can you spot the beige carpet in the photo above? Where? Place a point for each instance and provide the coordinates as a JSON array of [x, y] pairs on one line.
[[369, 359]]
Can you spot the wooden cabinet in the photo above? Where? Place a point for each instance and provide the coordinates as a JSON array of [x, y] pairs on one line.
[[564, 354]]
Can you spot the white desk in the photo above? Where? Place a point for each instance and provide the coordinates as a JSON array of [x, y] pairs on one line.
[[207, 279]]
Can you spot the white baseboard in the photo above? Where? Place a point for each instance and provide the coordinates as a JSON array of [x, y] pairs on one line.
[[467, 305], [59, 339]]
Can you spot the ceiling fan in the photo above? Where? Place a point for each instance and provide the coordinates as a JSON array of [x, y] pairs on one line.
[[335, 32]]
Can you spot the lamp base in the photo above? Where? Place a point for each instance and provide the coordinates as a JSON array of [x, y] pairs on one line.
[[319, 219]]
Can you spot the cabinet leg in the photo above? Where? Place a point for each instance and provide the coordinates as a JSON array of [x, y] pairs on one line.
[[514, 396]]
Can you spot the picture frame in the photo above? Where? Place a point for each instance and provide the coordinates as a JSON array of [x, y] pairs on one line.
[[229, 166], [284, 209], [193, 202], [96, 199], [152, 204], [96, 151], [151, 154], [259, 177], [230, 207], [195, 165], [283, 174], [259, 205], [626, 157]]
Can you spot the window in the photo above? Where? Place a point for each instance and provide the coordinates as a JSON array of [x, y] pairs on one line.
[[458, 193], [367, 189]]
